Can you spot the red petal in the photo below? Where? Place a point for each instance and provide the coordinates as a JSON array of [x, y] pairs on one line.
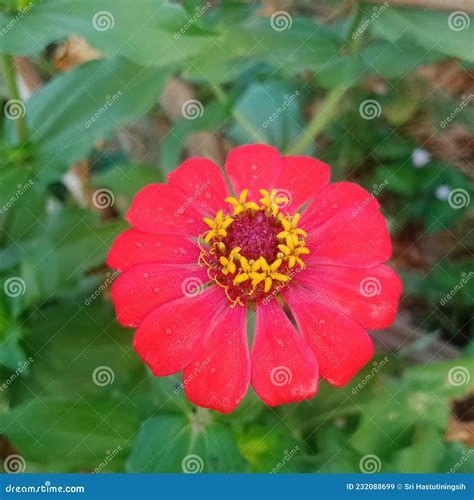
[[332, 199], [253, 167], [340, 344], [369, 295], [142, 288], [219, 377], [302, 177], [133, 247], [164, 209], [202, 182], [284, 369], [174, 334], [352, 241]]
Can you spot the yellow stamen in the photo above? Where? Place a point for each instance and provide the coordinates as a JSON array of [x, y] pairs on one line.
[[246, 279]]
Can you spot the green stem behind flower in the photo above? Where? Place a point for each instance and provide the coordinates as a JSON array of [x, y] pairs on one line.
[[320, 121], [257, 137], [330, 107], [9, 74]]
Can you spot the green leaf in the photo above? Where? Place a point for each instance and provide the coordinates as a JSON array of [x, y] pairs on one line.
[[125, 181], [266, 451], [273, 109], [213, 117], [11, 353], [423, 455], [147, 32], [15, 181], [382, 58], [176, 443], [65, 436], [304, 44], [83, 349], [96, 98], [444, 32], [80, 241], [421, 398]]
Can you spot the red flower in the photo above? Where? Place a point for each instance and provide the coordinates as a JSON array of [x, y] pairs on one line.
[[305, 254]]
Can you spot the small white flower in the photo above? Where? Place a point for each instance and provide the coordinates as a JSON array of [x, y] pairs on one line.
[[442, 192], [420, 157]]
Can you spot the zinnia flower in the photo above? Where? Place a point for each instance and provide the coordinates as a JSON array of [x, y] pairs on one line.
[[271, 235]]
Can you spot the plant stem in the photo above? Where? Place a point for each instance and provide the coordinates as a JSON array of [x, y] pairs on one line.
[[9, 73], [239, 117], [325, 115], [320, 120]]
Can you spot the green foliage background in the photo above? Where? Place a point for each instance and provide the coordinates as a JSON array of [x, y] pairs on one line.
[[242, 69]]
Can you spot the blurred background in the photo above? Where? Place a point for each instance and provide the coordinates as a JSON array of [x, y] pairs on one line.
[[102, 98]]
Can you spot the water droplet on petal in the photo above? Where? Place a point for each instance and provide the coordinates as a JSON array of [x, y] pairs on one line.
[[146, 275]]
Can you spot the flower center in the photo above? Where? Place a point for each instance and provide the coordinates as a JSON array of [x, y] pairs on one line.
[[255, 251]]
